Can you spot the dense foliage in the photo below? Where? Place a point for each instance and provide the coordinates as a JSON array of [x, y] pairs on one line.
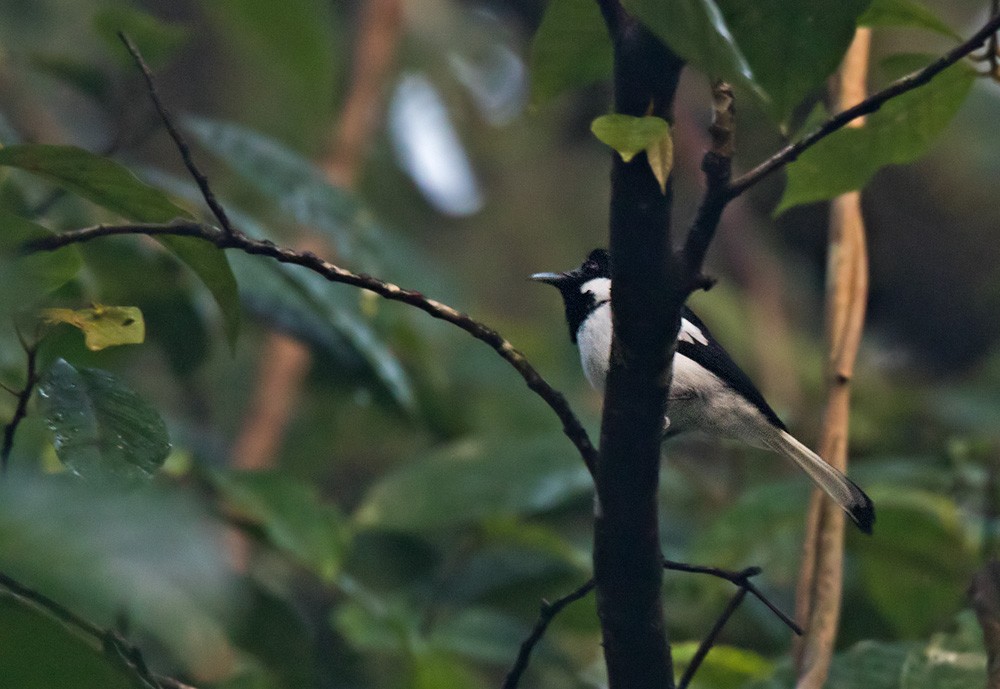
[[423, 501]]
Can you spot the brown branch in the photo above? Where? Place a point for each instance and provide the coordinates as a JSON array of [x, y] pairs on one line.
[[116, 647], [741, 579], [182, 146], [21, 410], [240, 242], [546, 614], [706, 645], [818, 595], [866, 107]]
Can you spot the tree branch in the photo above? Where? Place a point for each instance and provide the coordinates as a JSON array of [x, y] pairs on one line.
[[546, 614], [240, 242], [23, 397], [116, 647], [866, 107], [709, 641], [645, 308], [741, 579], [182, 146]]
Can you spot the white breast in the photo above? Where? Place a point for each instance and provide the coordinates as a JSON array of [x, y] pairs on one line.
[[594, 340]]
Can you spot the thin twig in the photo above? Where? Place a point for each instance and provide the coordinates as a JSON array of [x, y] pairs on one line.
[[741, 579], [709, 641], [240, 242], [789, 153], [114, 645], [182, 146], [21, 410], [546, 614]]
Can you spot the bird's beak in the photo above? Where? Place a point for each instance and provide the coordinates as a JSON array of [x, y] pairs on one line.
[[549, 278]]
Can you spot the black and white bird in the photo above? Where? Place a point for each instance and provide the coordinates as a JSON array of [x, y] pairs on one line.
[[708, 393]]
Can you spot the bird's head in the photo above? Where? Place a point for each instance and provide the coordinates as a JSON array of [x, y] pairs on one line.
[[583, 289]]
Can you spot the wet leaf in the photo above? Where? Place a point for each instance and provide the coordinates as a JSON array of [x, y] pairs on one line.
[[102, 326], [102, 430]]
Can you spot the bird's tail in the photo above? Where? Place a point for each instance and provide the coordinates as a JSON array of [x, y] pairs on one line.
[[842, 489]]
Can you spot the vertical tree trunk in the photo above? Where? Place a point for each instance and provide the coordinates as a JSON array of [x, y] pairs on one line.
[[627, 555]]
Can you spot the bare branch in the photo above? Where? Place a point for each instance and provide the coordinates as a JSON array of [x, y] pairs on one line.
[[546, 614], [182, 146], [709, 641], [116, 647], [866, 107], [21, 410], [741, 579], [240, 242]]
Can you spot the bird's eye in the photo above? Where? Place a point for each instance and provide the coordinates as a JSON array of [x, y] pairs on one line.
[[590, 266]]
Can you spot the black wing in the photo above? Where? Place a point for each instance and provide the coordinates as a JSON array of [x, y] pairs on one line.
[[714, 358]]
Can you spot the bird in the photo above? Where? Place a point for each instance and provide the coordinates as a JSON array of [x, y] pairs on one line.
[[708, 391]]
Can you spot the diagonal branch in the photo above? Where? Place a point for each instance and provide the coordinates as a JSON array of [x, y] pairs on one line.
[[240, 242], [116, 647], [741, 579], [866, 107], [21, 410], [182, 146], [546, 614], [706, 645]]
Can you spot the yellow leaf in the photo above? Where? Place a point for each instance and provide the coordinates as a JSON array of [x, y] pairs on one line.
[[660, 154], [102, 326]]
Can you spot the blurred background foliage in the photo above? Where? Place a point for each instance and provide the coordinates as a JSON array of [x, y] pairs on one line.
[[422, 502]]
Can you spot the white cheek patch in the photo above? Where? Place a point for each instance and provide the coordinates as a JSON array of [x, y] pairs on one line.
[[691, 333], [599, 287]]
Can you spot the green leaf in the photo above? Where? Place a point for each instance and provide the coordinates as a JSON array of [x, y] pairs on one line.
[[882, 13], [212, 267], [292, 516], [792, 47], [902, 131], [27, 278], [150, 555], [919, 547], [629, 135], [472, 480], [725, 667], [115, 188], [697, 31], [325, 314], [102, 326], [38, 651], [156, 39], [293, 182], [94, 178], [571, 49], [102, 429]]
